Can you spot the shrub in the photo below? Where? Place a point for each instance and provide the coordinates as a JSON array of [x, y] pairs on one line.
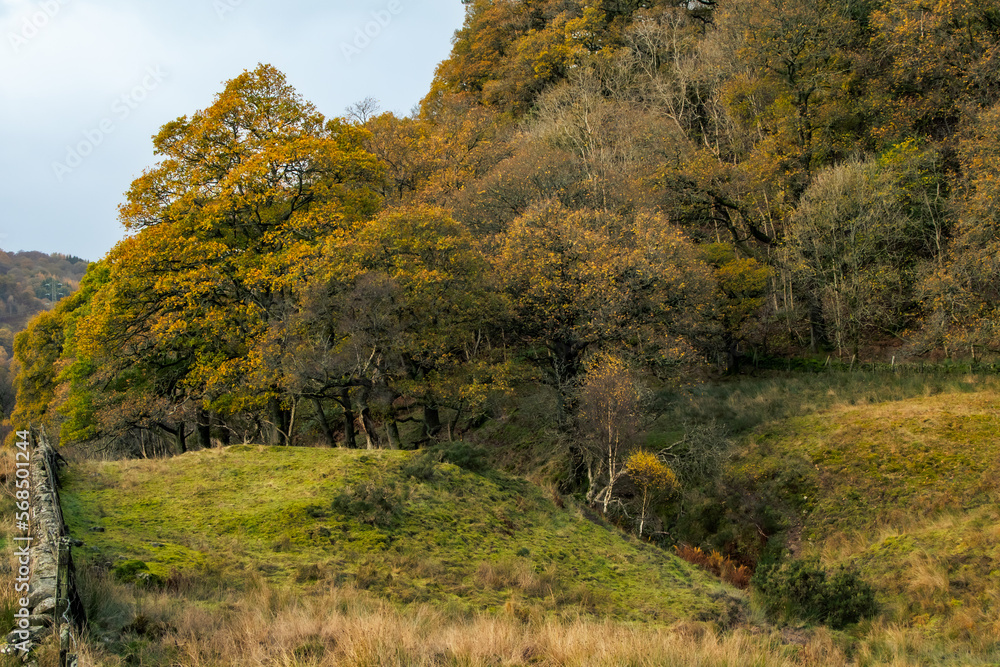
[[135, 572], [465, 456], [802, 589], [721, 566], [373, 503]]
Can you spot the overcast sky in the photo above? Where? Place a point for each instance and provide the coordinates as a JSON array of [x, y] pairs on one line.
[[85, 84]]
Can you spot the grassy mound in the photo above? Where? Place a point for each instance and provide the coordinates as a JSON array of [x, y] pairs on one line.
[[402, 525]]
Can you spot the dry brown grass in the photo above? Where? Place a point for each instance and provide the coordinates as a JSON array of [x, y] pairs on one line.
[[346, 626], [515, 573]]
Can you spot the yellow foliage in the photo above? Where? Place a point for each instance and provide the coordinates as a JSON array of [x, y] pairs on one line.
[[650, 473]]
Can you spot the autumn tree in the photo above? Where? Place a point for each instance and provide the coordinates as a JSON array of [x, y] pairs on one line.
[[223, 228], [859, 238], [938, 59], [651, 476], [401, 146], [961, 293], [44, 353], [609, 411], [742, 285], [578, 280]]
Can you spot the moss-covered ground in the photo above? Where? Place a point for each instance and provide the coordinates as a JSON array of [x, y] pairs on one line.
[[402, 525]]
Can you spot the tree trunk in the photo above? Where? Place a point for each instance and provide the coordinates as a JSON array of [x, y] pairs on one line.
[[432, 421], [611, 480], [278, 428], [732, 358], [290, 423], [177, 432], [392, 431], [453, 424], [642, 519], [223, 432], [350, 440], [324, 424], [204, 428], [367, 423], [180, 438], [817, 327]]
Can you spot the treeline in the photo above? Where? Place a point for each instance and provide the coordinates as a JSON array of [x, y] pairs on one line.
[[652, 188]]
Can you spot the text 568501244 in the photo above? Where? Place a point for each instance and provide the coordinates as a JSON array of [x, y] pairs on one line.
[[22, 523]]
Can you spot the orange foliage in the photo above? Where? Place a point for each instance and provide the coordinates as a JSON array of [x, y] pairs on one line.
[[719, 565]]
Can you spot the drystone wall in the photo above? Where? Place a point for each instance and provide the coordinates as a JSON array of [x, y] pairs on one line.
[[54, 604]]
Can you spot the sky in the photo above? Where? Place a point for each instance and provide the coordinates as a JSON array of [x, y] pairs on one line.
[[85, 84]]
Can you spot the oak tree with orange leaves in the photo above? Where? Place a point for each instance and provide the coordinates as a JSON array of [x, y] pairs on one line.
[[223, 228]]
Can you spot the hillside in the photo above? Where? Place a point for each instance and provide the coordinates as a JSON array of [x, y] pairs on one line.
[[906, 493], [29, 281], [892, 477]]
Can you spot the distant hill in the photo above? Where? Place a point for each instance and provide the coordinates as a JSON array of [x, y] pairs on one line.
[[30, 282]]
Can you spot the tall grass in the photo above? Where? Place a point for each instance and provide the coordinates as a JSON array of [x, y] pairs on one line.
[[334, 625], [342, 625]]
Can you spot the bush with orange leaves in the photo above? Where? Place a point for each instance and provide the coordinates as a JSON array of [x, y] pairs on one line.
[[716, 563]]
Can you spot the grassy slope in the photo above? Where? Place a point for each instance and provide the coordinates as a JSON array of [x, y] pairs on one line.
[[458, 538], [906, 491]]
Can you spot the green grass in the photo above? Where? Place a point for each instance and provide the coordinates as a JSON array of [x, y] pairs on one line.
[[433, 533], [883, 463]]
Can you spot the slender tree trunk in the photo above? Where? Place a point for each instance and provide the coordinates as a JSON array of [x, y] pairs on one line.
[[592, 476], [223, 432], [611, 480], [817, 327], [642, 519], [392, 431], [323, 423], [290, 429], [453, 424], [732, 357], [277, 433]]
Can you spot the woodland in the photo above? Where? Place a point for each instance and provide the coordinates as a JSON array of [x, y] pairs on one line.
[[597, 201]]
